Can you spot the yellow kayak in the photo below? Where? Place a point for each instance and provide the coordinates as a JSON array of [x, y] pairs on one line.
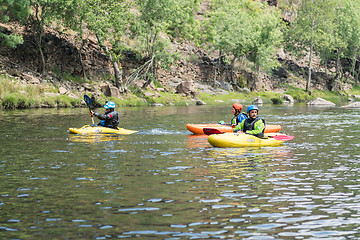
[[245, 140], [88, 129]]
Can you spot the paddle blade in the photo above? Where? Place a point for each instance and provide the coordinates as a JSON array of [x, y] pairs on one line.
[[283, 137], [209, 131], [87, 99]]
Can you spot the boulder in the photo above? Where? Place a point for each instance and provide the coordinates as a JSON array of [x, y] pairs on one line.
[[114, 92], [258, 101], [199, 102], [289, 98], [352, 105], [187, 88], [105, 89], [321, 101], [149, 94], [62, 90], [31, 79]]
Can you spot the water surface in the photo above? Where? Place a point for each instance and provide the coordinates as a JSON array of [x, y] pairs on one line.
[[165, 183]]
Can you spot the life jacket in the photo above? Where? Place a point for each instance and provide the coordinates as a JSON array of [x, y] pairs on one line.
[[238, 118], [249, 124], [113, 122]]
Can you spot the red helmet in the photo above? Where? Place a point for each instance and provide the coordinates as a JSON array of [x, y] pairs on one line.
[[237, 106]]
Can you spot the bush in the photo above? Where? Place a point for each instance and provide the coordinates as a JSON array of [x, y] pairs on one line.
[[276, 100]]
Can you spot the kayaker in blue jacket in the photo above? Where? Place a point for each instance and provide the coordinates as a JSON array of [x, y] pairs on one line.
[[238, 115], [253, 125], [110, 118]]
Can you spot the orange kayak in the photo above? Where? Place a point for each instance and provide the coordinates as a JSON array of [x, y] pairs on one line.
[[198, 128]]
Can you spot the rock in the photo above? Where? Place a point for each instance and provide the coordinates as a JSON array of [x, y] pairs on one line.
[[199, 102], [62, 90], [246, 90], [88, 87], [149, 94], [72, 95], [157, 104], [258, 101], [357, 96], [219, 101], [161, 90], [31, 79], [352, 105], [321, 101], [105, 89], [226, 86], [186, 88], [288, 98], [114, 92]]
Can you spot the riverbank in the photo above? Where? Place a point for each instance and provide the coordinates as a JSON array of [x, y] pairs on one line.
[[20, 93]]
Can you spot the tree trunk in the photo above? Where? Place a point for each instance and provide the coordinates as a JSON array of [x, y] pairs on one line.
[[83, 72], [310, 62], [232, 71], [38, 38], [352, 72], [118, 72]]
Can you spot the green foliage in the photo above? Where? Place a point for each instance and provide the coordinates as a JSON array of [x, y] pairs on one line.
[[241, 81], [276, 100], [77, 79], [9, 11], [299, 95], [245, 28], [156, 19]]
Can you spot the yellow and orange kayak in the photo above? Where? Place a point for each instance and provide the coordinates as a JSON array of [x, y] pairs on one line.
[[198, 128]]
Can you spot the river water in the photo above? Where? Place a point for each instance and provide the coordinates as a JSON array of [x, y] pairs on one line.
[[164, 183]]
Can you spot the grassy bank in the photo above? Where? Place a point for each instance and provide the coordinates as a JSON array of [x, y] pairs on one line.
[[16, 95]]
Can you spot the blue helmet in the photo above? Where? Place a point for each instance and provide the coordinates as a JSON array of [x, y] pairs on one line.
[[252, 107], [109, 105]]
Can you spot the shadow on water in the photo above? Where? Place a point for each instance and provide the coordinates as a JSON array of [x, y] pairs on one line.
[[165, 183]]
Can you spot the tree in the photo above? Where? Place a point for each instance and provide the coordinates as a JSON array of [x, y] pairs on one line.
[[244, 29], [43, 12], [110, 20], [12, 10], [156, 22], [347, 30], [312, 32]]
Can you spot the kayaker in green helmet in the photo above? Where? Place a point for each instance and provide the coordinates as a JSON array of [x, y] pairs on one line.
[[253, 125], [110, 118]]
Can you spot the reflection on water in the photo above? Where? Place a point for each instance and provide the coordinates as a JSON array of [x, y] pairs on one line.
[[165, 183], [94, 138]]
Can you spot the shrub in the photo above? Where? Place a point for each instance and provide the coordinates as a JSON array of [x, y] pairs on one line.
[[276, 100]]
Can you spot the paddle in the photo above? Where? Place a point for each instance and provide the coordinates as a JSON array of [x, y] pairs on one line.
[[209, 131], [87, 99], [282, 137]]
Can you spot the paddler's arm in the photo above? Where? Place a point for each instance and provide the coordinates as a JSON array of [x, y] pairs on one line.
[[239, 127], [258, 128], [98, 115]]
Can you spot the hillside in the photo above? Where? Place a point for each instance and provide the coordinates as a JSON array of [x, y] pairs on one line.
[[64, 67]]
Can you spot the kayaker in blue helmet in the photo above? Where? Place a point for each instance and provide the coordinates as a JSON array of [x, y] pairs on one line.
[[110, 118], [253, 125]]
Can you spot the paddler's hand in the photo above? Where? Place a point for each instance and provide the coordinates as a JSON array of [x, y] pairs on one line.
[[91, 112], [233, 125]]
